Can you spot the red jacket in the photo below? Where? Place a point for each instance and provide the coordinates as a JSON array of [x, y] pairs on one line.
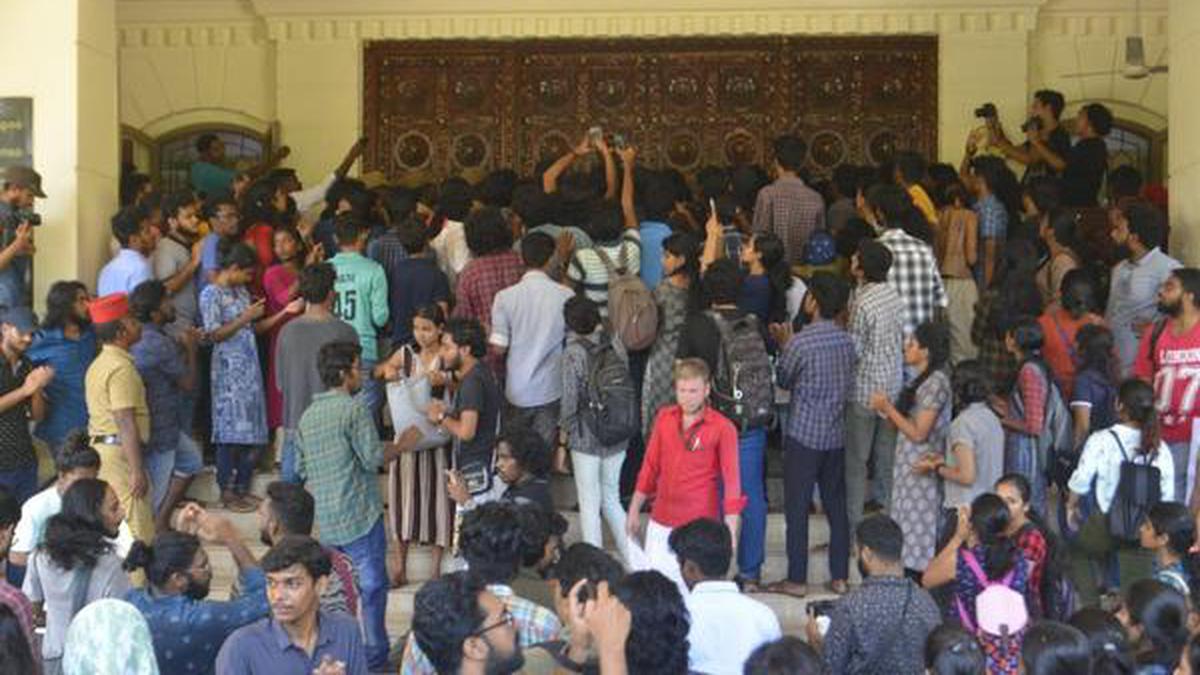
[[686, 469]]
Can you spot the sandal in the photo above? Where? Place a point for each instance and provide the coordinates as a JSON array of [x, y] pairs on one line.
[[788, 588], [837, 586]]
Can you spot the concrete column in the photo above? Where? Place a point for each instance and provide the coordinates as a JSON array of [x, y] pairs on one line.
[[1183, 97], [63, 54]]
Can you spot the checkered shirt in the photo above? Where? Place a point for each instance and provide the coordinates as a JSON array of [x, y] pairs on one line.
[[877, 328], [915, 276], [818, 368], [792, 210], [481, 280]]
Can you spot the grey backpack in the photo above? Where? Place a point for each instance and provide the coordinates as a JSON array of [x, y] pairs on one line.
[[609, 405], [632, 309], [743, 386]]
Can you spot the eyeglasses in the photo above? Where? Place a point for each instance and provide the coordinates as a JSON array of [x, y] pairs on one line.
[[506, 618]]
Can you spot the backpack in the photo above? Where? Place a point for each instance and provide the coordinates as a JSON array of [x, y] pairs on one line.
[[1138, 488], [1056, 444], [743, 386], [609, 402], [1000, 617], [632, 310]]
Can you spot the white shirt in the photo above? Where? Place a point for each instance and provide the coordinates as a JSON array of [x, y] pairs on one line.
[[726, 627], [527, 320], [312, 195], [36, 512], [124, 272], [450, 245], [1101, 460], [1133, 299]]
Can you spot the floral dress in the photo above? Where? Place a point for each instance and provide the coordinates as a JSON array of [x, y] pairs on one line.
[[916, 498], [239, 412], [657, 385]]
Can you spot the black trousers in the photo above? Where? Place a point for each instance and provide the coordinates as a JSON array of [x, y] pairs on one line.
[[804, 468]]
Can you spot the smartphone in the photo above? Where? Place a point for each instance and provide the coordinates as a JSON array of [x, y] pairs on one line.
[[595, 134], [619, 141]]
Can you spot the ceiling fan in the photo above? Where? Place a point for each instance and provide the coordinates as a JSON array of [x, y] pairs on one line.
[[1135, 58]]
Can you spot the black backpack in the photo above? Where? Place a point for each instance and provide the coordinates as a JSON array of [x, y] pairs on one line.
[[744, 385], [609, 402], [1138, 488]]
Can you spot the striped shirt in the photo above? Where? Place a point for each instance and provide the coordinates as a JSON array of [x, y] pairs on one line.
[[587, 267], [339, 456]]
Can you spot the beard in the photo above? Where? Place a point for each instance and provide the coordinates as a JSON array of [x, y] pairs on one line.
[[196, 590], [497, 665], [1171, 309]]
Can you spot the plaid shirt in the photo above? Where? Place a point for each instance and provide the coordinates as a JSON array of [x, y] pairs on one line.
[[877, 327], [387, 250], [790, 209], [915, 276], [818, 368], [534, 624], [481, 280], [339, 456]]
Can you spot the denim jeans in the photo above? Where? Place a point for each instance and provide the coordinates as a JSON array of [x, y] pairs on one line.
[[371, 394], [752, 446], [20, 483], [183, 460], [804, 469], [239, 459], [598, 486], [369, 555], [1179, 453], [287, 457]]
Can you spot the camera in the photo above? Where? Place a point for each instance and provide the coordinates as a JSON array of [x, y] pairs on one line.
[[986, 111], [1032, 124], [18, 216]]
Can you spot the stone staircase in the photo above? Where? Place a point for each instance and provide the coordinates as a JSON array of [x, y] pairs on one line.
[[792, 612]]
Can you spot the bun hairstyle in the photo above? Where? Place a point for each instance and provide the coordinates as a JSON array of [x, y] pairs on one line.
[[172, 552], [1137, 401]]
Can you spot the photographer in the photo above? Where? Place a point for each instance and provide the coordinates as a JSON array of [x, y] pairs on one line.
[[1047, 144], [20, 186]]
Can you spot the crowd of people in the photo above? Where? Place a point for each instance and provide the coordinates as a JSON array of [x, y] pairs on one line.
[[999, 428]]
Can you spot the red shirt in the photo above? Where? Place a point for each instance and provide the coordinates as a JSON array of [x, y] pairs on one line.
[[1176, 380], [686, 469], [1060, 329]]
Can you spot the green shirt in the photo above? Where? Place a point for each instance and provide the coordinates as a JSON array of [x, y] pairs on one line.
[[339, 455], [362, 298], [211, 179]]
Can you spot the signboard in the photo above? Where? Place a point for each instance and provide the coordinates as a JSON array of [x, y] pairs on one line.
[[16, 131]]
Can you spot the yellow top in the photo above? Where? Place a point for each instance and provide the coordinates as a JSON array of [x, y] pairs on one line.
[[113, 383], [923, 203]]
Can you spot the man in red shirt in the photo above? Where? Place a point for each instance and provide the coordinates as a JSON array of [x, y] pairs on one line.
[[1173, 366], [691, 460]]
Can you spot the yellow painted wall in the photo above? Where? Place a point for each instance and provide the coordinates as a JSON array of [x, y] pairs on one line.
[[1184, 164], [63, 54]]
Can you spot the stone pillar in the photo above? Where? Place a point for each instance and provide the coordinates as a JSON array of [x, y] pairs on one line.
[[1183, 97], [63, 54]]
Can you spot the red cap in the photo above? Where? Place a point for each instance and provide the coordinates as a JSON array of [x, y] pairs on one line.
[[109, 308]]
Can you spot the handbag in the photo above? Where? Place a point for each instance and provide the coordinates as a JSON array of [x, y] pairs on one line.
[[408, 402]]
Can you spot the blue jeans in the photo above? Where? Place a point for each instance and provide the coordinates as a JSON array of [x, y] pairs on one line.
[[371, 394], [233, 458], [287, 457], [369, 555], [1179, 453], [752, 446], [183, 460], [20, 483]]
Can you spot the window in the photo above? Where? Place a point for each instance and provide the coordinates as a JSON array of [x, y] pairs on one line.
[[1134, 145], [176, 151]]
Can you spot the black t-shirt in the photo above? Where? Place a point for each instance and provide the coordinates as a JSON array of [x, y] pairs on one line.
[[1086, 164], [478, 392], [1059, 143]]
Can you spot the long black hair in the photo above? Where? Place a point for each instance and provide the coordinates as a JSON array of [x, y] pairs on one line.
[[687, 246], [1137, 400], [935, 337], [60, 304], [779, 273], [1094, 347], [77, 536], [989, 522]]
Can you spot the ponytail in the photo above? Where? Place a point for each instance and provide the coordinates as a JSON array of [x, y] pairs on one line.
[[172, 552], [1137, 400]]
